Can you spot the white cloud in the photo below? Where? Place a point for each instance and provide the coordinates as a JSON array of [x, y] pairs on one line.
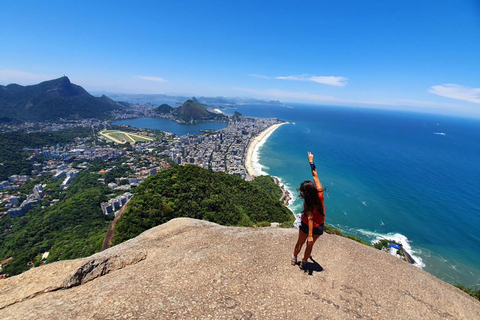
[[415, 102], [328, 80], [259, 76], [8, 76], [156, 79], [305, 97], [456, 91]]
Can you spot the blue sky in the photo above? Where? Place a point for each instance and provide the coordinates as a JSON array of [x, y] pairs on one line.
[[420, 55]]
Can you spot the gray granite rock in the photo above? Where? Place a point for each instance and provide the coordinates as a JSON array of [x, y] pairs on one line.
[[191, 269]]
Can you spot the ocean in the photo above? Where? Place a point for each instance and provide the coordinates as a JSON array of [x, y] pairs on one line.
[[405, 176]]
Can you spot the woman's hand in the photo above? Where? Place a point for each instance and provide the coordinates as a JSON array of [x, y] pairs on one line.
[[310, 157], [310, 240]]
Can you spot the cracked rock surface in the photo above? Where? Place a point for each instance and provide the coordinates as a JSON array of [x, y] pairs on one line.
[[191, 269]]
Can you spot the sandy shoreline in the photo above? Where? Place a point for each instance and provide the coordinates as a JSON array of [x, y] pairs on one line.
[[253, 144]]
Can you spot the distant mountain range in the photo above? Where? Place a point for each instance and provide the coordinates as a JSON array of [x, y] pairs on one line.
[[52, 100], [59, 98], [191, 110], [216, 101]]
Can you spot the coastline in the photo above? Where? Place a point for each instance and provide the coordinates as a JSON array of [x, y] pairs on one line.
[[253, 146]]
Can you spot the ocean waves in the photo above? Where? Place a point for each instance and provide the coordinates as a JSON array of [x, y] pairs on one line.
[[396, 237]]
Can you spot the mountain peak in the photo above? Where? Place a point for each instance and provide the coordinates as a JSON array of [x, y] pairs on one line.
[[52, 99], [65, 79]]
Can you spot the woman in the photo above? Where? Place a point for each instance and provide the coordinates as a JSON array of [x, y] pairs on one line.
[[313, 215]]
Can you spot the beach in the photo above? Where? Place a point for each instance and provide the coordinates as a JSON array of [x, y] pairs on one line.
[[253, 147], [251, 162]]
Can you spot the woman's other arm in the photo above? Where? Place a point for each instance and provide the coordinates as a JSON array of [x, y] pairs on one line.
[[310, 227]]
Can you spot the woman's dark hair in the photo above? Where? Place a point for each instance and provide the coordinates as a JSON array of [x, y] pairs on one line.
[[310, 194]]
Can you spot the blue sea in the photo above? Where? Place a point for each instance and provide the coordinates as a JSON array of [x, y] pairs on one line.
[[411, 177]]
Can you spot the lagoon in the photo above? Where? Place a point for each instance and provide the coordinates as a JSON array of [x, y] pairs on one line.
[[170, 126]]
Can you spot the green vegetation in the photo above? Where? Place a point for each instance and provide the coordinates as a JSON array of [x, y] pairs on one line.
[[73, 228], [169, 161], [383, 243], [164, 108], [191, 110], [190, 191], [13, 158], [355, 238], [474, 291], [51, 100], [331, 230], [117, 172], [267, 184]]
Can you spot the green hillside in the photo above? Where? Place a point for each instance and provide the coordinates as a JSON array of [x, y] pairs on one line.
[[192, 110], [267, 184], [190, 191], [164, 108], [52, 100], [73, 228]]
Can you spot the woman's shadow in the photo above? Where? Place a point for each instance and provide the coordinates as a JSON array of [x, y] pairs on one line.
[[310, 267]]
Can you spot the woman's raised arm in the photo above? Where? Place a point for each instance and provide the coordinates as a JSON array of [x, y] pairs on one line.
[[318, 185]]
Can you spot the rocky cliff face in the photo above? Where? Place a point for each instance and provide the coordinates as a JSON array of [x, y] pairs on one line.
[[187, 269]]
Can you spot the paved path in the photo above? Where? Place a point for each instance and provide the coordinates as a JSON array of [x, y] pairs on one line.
[[111, 229]]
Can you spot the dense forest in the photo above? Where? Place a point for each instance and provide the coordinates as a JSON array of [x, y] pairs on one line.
[[74, 227], [13, 158], [267, 184], [190, 191]]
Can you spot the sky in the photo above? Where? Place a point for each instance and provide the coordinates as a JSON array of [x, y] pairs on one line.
[[412, 55]]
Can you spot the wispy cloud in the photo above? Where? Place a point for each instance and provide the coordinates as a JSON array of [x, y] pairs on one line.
[[259, 76], [415, 102], [456, 91], [304, 97], [327, 80], [17, 76], [156, 79]]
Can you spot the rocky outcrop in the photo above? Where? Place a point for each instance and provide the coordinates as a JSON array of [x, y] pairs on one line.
[[187, 269]]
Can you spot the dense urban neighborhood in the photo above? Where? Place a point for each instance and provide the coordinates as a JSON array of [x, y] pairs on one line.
[[223, 150]]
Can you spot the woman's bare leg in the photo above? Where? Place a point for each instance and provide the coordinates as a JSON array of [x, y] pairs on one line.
[[308, 249], [301, 240]]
